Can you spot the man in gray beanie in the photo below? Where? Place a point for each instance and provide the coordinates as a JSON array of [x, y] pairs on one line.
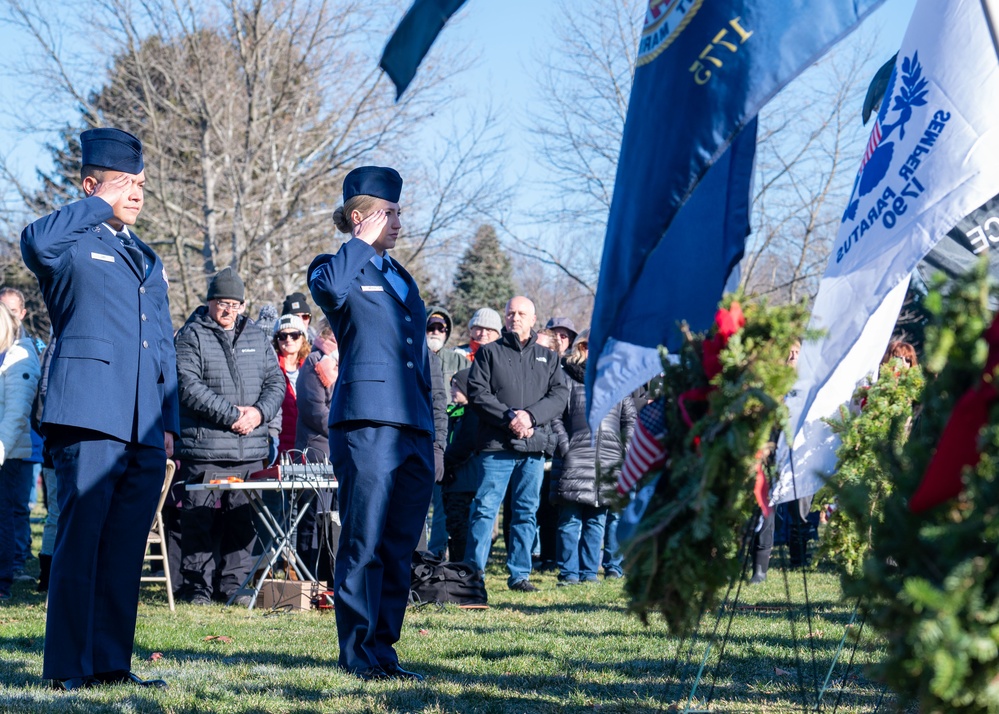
[[484, 327], [227, 284], [230, 388]]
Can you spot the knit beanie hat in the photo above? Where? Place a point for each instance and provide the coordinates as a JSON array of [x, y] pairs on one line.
[[290, 322], [488, 318], [296, 304], [460, 380], [226, 285]]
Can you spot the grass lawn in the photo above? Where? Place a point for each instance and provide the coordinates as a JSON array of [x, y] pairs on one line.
[[557, 650]]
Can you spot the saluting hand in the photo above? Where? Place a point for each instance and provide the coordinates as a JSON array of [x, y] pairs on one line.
[[113, 189], [370, 229]]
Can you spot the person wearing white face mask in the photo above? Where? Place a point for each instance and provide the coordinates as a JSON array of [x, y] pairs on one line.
[[316, 378]]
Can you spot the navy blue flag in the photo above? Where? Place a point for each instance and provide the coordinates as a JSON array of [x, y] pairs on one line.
[[704, 70], [411, 41]]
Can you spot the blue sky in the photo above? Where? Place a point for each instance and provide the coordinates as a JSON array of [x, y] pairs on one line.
[[508, 36], [512, 33]]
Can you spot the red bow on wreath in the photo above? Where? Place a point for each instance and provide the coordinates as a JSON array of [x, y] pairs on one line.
[[727, 322], [958, 445]]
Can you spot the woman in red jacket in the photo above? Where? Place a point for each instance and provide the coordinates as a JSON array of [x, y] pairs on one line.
[[292, 347]]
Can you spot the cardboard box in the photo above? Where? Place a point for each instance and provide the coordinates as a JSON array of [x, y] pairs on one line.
[[291, 595]]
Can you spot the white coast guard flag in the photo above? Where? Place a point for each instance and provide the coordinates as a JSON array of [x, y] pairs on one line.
[[932, 159]]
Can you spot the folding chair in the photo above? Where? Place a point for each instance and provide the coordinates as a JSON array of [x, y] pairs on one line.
[[157, 534]]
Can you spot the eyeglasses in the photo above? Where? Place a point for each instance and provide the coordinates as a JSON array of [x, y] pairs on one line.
[[228, 305], [282, 336], [436, 328]]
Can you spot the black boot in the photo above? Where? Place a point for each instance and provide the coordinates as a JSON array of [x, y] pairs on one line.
[[759, 575], [45, 564]]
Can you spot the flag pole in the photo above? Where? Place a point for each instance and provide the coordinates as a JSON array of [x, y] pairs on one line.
[[990, 7]]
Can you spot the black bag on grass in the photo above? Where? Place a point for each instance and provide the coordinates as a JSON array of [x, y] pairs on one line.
[[438, 581]]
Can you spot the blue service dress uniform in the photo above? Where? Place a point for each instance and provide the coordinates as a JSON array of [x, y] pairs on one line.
[[381, 445], [112, 393]]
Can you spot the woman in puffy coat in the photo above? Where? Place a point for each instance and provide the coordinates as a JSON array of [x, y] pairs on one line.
[[581, 470], [19, 372]]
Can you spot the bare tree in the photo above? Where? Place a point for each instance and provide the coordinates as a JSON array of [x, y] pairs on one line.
[[250, 113], [806, 160], [808, 148], [584, 83]]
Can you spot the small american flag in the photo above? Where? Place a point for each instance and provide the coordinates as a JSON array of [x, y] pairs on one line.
[[645, 450], [872, 143]]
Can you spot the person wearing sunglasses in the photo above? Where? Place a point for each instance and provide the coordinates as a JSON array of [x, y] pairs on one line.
[[292, 347], [381, 421]]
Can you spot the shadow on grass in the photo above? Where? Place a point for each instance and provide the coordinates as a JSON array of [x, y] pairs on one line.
[[561, 607], [644, 685]]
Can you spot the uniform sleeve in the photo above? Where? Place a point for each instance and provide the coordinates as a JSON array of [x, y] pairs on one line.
[[480, 394], [20, 377], [46, 241], [193, 392], [555, 400], [330, 276]]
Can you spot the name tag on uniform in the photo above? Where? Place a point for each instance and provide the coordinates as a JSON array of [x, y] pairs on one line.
[[102, 256], [372, 289]]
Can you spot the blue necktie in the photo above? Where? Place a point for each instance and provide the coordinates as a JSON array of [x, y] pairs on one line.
[[133, 251]]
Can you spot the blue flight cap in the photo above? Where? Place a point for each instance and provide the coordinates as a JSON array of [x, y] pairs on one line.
[[378, 181], [112, 149]]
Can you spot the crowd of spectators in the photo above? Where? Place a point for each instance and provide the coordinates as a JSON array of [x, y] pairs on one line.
[[257, 392]]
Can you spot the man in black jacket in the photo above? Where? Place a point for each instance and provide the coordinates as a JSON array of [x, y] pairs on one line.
[[515, 386], [230, 388]]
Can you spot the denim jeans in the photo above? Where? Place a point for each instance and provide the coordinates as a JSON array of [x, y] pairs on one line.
[[15, 486], [580, 541], [523, 472], [613, 560], [438, 525]]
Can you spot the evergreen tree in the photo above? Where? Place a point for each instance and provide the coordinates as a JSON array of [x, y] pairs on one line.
[[484, 279]]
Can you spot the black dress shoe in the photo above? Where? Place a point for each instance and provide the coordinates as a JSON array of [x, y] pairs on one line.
[[371, 674], [124, 677], [74, 683], [394, 671]]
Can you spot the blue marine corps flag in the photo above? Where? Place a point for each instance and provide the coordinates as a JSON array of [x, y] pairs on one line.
[[680, 213]]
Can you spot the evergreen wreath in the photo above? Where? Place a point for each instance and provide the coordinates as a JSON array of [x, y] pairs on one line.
[[724, 400], [872, 432], [931, 582]]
